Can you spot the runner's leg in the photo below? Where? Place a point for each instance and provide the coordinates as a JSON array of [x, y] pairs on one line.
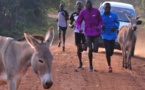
[[79, 48], [63, 36], [90, 54], [95, 44], [108, 51], [79, 53], [84, 43], [59, 36], [112, 45]]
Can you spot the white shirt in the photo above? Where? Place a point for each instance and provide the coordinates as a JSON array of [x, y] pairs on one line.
[[82, 25], [61, 19]]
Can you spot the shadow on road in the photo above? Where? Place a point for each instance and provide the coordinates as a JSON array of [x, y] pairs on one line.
[[120, 54]]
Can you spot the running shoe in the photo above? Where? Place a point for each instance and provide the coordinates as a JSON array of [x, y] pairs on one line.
[[63, 49], [80, 65], [59, 43], [91, 68], [110, 69]]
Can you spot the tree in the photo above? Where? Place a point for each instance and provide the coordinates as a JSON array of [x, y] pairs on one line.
[[21, 14]]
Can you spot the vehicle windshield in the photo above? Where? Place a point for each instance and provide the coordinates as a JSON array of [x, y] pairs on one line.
[[120, 12]]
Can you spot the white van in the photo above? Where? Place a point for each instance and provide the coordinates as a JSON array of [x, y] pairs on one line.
[[120, 9]]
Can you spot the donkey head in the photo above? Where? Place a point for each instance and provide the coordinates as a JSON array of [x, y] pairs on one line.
[[42, 58], [133, 21]]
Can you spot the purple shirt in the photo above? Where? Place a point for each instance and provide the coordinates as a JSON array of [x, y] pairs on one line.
[[92, 20]]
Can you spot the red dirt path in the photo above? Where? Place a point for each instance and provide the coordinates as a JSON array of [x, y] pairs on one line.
[[67, 76]]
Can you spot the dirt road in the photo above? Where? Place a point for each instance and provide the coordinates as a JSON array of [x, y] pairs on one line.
[[67, 76]]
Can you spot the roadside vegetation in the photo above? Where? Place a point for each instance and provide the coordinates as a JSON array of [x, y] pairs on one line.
[[31, 16]]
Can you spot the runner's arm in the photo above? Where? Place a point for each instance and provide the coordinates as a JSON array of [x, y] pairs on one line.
[[71, 21], [79, 21]]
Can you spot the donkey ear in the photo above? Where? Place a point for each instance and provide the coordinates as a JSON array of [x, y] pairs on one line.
[[128, 17], [31, 41], [49, 35]]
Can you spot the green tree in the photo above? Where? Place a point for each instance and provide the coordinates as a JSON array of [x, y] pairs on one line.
[[25, 14]]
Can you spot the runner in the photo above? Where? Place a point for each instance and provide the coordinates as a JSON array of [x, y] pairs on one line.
[[62, 24], [80, 40], [109, 32], [93, 24]]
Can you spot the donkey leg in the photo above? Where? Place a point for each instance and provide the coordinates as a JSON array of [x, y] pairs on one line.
[[123, 54], [130, 66], [125, 61], [14, 81], [124, 57], [129, 59], [12, 84]]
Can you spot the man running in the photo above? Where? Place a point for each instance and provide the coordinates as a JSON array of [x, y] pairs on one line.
[[62, 24], [93, 22], [109, 32], [80, 40]]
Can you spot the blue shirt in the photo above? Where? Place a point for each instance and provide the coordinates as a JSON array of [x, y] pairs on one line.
[[110, 20]]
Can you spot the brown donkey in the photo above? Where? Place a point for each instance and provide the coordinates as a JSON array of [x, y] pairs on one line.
[[127, 40], [17, 56]]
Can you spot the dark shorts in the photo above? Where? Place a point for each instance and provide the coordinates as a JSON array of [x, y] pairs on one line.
[[93, 43], [79, 38], [62, 29]]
